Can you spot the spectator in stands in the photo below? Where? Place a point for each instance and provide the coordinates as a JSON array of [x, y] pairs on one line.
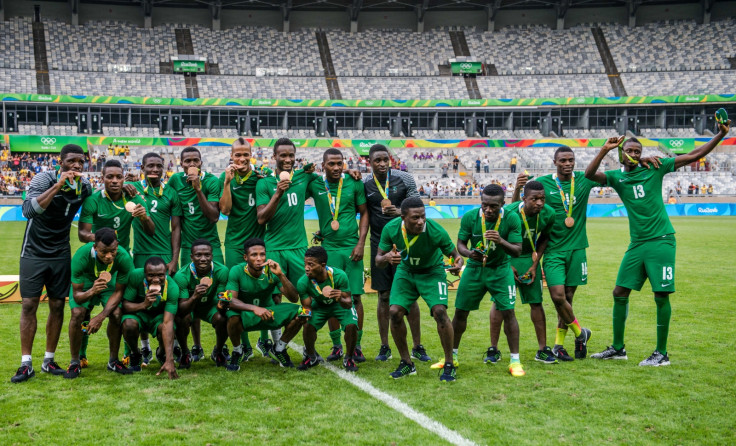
[[486, 164], [445, 168], [350, 163], [703, 189], [710, 189], [513, 163], [415, 156], [701, 164], [696, 189], [477, 165], [671, 200], [455, 163], [690, 189], [403, 167], [678, 189], [439, 156]]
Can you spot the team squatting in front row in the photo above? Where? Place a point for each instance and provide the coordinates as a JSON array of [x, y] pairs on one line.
[[143, 291]]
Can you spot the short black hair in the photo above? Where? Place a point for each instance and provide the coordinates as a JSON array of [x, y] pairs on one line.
[[190, 149], [562, 149], [251, 242], [154, 261], [70, 148], [111, 163], [240, 141], [332, 151], [151, 155], [200, 242], [493, 190], [533, 185], [106, 236], [283, 142], [411, 203], [377, 148], [317, 252], [632, 139]]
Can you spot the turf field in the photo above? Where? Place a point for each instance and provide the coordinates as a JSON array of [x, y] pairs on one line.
[[584, 402]]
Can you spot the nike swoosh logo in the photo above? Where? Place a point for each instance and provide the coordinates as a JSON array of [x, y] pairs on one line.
[[370, 194], [236, 188], [552, 193], [101, 215], [477, 235], [621, 180], [666, 284], [322, 193]]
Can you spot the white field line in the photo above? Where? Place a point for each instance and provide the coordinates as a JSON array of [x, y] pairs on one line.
[[396, 404]]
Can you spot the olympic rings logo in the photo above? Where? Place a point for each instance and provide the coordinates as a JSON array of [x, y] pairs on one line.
[[677, 143], [48, 141]]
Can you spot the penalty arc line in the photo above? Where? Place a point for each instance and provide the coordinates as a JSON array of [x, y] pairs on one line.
[[396, 404]]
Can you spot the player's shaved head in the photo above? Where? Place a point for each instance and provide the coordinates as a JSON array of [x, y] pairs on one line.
[[241, 142], [318, 253], [632, 140]]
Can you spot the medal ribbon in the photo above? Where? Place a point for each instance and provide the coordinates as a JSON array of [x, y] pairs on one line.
[[408, 244], [533, 241], [165, 293], [77, 186], [332, 281], [483, 227], [241, 180], [334, 203], [146, 186], [566, 204], [194, 271], [265, 272], [383, 190], [97, 271], [104, 192]]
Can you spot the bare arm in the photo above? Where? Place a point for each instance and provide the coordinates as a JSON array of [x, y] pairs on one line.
[[187, 305], [700, 152], [363, 226], [288, 289], [266, 211], [175, 243], [591, 172], [84, 232], [521, 181], [226, 200], [383, 258]]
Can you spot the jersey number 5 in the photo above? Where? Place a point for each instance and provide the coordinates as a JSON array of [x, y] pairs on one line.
[[191, 208]]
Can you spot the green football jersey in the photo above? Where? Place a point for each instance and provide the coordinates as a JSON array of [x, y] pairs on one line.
[[242, 223], [86, 268], [471, 229], [641, 192], [136, 293], [426, 250], [541, 224], [251, 290], [194, 224], [161, 207], [187, 282], [102, 212], [563, 238], [353, 195], [306, 288], [286, 229]]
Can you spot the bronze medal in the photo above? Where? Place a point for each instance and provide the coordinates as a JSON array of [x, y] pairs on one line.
[[284, 176], [335, 225], [326, 291], [535, 256], [205, 281], [154, 289], [130, 207], [106, 276], [192, 171], [569, 222], [385, 202]]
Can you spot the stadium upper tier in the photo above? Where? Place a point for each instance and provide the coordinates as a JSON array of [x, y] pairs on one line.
[[116, 58]]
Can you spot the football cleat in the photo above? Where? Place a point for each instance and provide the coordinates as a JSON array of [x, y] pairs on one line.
[[655, 360], [516, 369], [404, 369], [545, 356], [336, 353], [561, 354], [24, 373], [52, 367], [492, 356], [581, 344], [611, 353], [420, 353], [384, 354], [73, 371]]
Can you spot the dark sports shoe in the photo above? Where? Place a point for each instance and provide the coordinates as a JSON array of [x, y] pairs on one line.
[[219, 358], [358, 355], [545, 356], [404, 369], [384, 354], [52, 367], [186, 361], [235, 360], [336, 353], [611, 353], [160, 355], [247, 354], [581, 344], [420, 353], [226, 352], [562, 355], [73, 371], [263, 346], [147, 355], [449, 372], [177, 354], [492, 356], [24, 373], [281, 357], [307, 363], [655, 360], [349, 364], [118, 367], [197, 353], [135, 362]]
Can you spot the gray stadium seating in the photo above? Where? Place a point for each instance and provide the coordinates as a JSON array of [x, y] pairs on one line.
[[16, 44], [680, 82], [536, 86], [17, 81], [403, 88], [266, 87], [117, 84]]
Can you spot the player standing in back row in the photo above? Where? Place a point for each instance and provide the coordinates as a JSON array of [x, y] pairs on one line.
[[385, 190], [651, 253]]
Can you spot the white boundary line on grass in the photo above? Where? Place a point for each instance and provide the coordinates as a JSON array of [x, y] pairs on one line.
[[396, 404]]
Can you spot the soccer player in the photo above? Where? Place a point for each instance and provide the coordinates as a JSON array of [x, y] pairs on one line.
[[99, 275], [651, 253], [201, 281], [149, 304], [487, 237], [385, 190], [537, 219], [325, 292], [338, 198], [45, 259], [238, 202], [252, 285], [419, 272]]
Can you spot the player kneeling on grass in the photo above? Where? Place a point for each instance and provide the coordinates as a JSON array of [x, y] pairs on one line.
[[201, 281], [99, 274], [325, 291], [487, 237], [420, 272], [250, 287], [149, 305]]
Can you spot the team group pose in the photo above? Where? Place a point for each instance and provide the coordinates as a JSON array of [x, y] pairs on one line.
[[176, 275]]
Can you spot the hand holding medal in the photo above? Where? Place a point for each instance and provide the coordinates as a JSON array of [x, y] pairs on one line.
[[193, 177]]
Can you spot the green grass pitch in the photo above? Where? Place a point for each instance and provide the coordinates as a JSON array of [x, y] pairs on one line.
[[584, 402]]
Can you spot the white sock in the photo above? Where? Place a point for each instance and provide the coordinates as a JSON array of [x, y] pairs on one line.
[[176, 343], [514, 356], [276, 335], [25, 359], [238, 349], [280, 345], [454, 350], [146, 343], [49, 355]]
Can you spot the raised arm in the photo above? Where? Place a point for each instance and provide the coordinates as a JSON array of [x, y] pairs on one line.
[[684, 160], [591, 172]]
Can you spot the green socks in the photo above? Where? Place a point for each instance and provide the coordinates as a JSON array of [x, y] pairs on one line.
[[335, 336], [85, 341], [620, 312], [664, 312], [264, 335], [244, 341], [360, 336]]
